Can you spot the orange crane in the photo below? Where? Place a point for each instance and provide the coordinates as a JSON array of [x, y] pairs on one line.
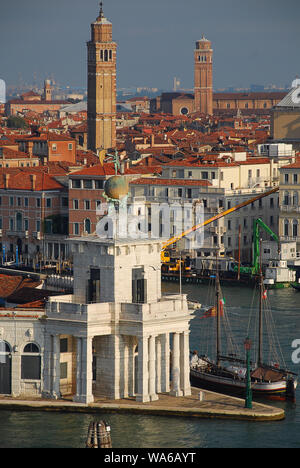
[[174, 239]]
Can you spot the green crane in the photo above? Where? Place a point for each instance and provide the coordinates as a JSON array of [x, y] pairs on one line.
[[254, 269]]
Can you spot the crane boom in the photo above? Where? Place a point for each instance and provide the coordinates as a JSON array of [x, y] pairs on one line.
[[175, 239]]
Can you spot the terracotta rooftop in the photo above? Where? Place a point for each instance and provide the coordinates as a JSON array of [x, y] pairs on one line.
[[21, 179]]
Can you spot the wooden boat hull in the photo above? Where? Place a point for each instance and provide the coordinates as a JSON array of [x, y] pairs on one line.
[[236, 387]]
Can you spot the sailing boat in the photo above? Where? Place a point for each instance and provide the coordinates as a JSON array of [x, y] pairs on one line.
[[227, 373]]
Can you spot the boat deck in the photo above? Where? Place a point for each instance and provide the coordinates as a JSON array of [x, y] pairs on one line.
[[214, 405]]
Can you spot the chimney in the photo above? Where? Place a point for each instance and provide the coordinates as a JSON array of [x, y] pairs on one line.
[[6, 180], [33, 181]]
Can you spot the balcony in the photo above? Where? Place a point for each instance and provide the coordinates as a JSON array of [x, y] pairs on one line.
[[290, 208], [11, 233]]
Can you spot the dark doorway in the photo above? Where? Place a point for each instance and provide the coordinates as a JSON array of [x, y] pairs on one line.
[[5, 369]]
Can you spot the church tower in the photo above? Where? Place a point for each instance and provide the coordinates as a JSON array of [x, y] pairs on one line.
[[203, 77], [101, 110]]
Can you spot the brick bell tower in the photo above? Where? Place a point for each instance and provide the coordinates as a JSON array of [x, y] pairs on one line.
[[101, 109], [203, 77]]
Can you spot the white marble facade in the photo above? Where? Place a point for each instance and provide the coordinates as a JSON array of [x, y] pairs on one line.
[[117, 336]]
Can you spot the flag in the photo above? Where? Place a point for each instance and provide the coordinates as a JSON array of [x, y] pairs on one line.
[[102, 155], [212, 312], [222, 303]]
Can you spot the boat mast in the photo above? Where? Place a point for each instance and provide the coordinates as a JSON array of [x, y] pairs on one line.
[[218, 299], [260, 328]]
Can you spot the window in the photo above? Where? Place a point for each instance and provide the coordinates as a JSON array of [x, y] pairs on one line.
[[87, 226], [26, 201], [76, 183], [88, 184], [94, 285], [64, 202], [87, 204], [76, 204], [11, 201], [70, 146], [26, 224], [19, 221], [38, 225], [19, 201], [295, 228], [286, 227], [99, 184], [63, 370], [38, 202], [63, 345], [48, 202], [139, 287], [54, 147], [286, 178], [295, 178], [286, 198], [31, 362], [11, 224], [204, 175], [76, 229]]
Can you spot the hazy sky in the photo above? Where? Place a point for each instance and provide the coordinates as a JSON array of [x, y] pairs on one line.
[[254, 41]]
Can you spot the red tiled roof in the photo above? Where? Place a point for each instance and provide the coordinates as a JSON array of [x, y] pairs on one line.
[[20, 179], [9, 284]]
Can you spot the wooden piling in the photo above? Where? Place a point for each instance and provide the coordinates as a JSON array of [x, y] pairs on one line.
[[98, 435]]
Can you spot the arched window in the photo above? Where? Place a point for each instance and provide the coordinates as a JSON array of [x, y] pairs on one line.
[[286, 227], [87, 226], [295, 228], [106, 55], [31, 362], [110, 55], [295, 199], [4, 347], [286, 198]]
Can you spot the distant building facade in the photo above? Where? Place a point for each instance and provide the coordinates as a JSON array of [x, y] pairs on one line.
[[34, 102], [223, 103]]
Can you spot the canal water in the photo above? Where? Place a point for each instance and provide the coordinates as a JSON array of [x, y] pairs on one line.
[[59, 430]]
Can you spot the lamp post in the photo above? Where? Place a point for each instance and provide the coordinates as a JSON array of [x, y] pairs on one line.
[[248, 396]]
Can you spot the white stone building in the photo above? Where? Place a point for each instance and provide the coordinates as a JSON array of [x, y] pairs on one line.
[[112, 338]]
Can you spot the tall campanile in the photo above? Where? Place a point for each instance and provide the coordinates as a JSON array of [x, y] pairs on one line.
[[101, 110], [203, 77]]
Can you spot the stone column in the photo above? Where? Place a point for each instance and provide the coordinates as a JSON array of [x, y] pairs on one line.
[[47, 371], [55, 367], [158, 364], [143, 374], [152, 369], [84, 372], [15, 373], [165, 363], [185, 385], [176, 366]]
